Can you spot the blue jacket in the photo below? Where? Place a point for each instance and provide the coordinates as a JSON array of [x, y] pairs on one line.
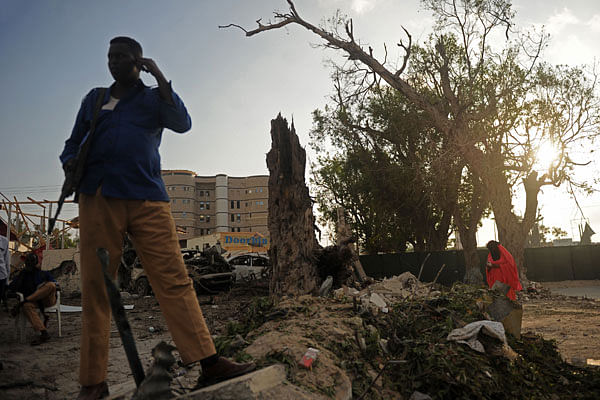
[[29, 279], [123, 155]]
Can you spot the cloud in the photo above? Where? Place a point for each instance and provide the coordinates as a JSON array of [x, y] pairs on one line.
[[363, 6], [594, 23], [357, 6], [559, 21]]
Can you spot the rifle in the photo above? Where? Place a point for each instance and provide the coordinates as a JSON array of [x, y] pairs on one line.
[[123, 326], [74, 174]]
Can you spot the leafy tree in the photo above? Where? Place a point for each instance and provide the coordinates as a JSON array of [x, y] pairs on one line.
[[385, 165], [495, 105]]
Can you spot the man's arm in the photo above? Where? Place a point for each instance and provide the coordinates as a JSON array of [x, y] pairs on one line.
[[173, 113]]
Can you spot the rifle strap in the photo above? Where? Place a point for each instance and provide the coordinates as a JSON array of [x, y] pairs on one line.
[[97, 107], [82, 156]]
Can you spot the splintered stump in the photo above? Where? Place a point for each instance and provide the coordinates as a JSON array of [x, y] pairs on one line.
[[291, 220]]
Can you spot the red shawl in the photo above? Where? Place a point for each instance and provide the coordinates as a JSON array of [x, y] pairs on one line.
[[507, 273]]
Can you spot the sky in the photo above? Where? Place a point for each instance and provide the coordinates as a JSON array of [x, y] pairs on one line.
[[53, 52]]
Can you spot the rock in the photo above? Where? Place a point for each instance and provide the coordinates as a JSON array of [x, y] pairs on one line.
[[509, 312]]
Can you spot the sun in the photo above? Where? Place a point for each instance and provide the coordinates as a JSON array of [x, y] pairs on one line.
[[546, 156]]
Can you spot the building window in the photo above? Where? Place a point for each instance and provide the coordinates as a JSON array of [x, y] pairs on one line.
[[249, 215], [208, 218], [232, 217], [238, 204], [250, 191], [202, 205], [201, 193], [246, 204], [202, 232], [174, 201], [208, 205], [232, 204], [201, 218], [186, 188], [239, 217], [232, 229], [259, 190], [238, 229], [208, 231], [207, 193], [184, 215]]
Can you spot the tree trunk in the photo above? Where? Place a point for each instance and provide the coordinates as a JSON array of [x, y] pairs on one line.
[[291, 221], [344, 237], [512, 231], [468, 239]]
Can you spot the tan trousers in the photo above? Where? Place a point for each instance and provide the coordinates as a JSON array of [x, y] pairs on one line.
[[103, 223], [46, 293]]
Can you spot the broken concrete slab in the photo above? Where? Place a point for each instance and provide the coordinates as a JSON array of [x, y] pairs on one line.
[[264, 384]]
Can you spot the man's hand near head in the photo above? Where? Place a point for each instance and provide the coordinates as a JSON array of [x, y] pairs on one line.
[[164, 87]]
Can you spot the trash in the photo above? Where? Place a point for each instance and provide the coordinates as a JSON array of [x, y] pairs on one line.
[[309, 358], [326, 286], [469, 335]]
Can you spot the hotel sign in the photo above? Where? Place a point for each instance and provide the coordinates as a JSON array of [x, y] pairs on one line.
[[246, 241]]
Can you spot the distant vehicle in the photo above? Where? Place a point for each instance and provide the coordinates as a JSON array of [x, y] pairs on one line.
[[250, 266]]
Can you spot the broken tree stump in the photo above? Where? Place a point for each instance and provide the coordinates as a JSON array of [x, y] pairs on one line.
[[291, 220]]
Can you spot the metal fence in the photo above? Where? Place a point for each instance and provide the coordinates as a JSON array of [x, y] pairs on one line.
[[544, 264]]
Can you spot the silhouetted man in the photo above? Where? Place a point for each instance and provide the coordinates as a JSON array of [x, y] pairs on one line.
[[122, 191]]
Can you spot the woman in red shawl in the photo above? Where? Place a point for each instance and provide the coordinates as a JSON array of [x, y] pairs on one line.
[[501, 267]]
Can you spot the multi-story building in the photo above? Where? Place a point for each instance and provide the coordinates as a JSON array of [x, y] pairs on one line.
[[205, 205]]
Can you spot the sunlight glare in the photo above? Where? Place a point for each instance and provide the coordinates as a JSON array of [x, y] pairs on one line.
[[545, 156]]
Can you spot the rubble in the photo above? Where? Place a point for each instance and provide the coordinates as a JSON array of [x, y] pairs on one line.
[[356, 341]]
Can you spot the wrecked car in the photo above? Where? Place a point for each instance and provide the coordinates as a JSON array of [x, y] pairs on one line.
[[209, 271]]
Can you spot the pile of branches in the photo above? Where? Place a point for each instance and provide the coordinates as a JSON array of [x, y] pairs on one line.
[[416, 331]]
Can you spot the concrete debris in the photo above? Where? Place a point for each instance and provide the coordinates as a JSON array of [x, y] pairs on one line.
[[377, 300], [419, 396], [267, 383], [326, 286]]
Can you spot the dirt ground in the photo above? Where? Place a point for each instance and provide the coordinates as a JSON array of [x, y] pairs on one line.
[[50, 371], [574, 323]]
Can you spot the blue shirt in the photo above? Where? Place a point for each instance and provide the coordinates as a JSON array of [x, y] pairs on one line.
[[123, 155]]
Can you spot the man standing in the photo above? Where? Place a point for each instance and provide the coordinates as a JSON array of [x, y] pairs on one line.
[[39, 291], [4, 269], [122, 192]]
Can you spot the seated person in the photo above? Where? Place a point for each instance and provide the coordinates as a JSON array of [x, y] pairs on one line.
[[39, 290]]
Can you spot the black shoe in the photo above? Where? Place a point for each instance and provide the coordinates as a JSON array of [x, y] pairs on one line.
[[43, 338]]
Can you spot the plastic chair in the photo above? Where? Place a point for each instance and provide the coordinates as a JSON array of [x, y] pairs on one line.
[[21, 320]]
